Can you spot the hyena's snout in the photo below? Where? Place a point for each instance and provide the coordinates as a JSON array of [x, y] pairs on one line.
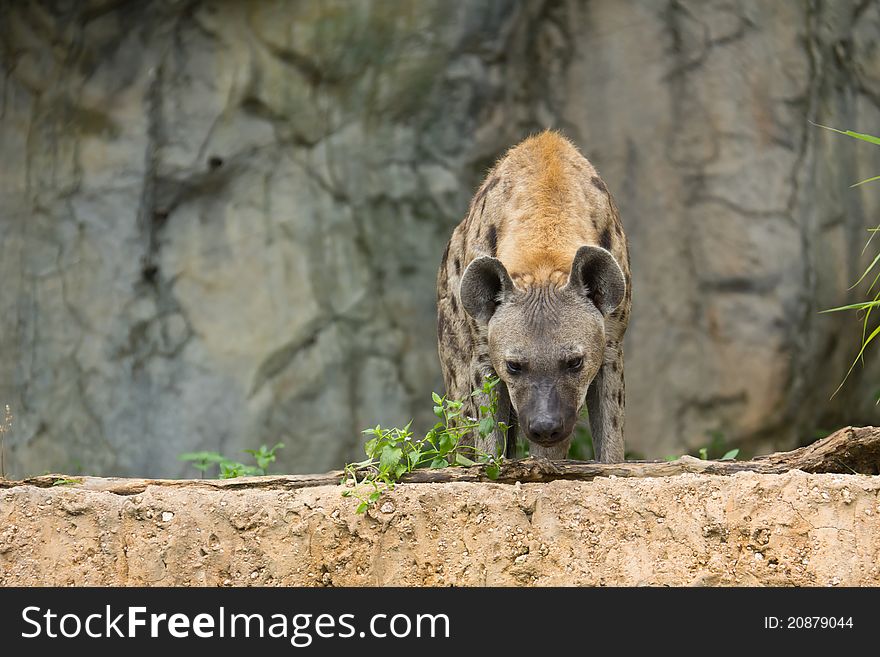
[[546, 419], [547, 429]]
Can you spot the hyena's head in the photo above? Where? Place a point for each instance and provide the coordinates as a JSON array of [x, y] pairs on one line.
[[546, 343]]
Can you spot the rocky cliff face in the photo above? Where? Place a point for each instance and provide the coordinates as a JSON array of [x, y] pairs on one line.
[[222, 221]]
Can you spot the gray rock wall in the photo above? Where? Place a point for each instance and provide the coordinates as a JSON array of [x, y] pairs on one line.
[[220, 223]]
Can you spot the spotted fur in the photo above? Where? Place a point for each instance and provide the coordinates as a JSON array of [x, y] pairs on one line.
[[536, 208]]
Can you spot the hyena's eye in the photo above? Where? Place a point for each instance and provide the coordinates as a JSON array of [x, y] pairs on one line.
[[575, 363], [513, 367]]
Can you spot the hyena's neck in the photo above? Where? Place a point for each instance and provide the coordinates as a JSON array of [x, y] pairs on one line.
[[538, 248], [550, 270]]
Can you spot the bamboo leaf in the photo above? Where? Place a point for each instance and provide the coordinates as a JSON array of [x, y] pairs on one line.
[[861, 351], [866, 180], [871, 139], [862, 305], [868, 315], [850, 133], [870, 267]]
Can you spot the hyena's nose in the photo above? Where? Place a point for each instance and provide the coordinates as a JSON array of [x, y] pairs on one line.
[[546, 429]]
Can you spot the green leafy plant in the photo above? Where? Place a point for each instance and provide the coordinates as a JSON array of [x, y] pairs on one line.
[[68, 481], [728, 456], [229, 469], [868, 334], [392, 453], [264, 456]]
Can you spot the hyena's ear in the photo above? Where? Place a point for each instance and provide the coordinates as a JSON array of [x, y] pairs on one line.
[[484, 287], [596, 275]]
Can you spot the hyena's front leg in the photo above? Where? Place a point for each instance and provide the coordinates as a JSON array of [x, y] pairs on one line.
[[507, 415], [605, 402]]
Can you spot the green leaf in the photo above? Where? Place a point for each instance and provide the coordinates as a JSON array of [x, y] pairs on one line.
[[704, 453], [400, 470], [731, 455], [867, 271], [229, 470], [866, 180], [865, 322], [437, 399], [486, 425], [492, 470], [390, 457], [438, 411], [461, 459], [439, 463], [374, 496], [447, 443], [66, 482], [670, 458], [853, 306], [860, 135], [362, 507], [871, 139], [858, 357], [360, 464]]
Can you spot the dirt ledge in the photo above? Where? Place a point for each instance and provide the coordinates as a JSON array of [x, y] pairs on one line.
[[690, 529]]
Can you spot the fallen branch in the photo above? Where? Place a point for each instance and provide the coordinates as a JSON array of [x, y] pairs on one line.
[[852, 450]]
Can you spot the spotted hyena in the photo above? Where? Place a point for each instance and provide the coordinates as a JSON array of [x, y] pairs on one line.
[[535, 287]]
